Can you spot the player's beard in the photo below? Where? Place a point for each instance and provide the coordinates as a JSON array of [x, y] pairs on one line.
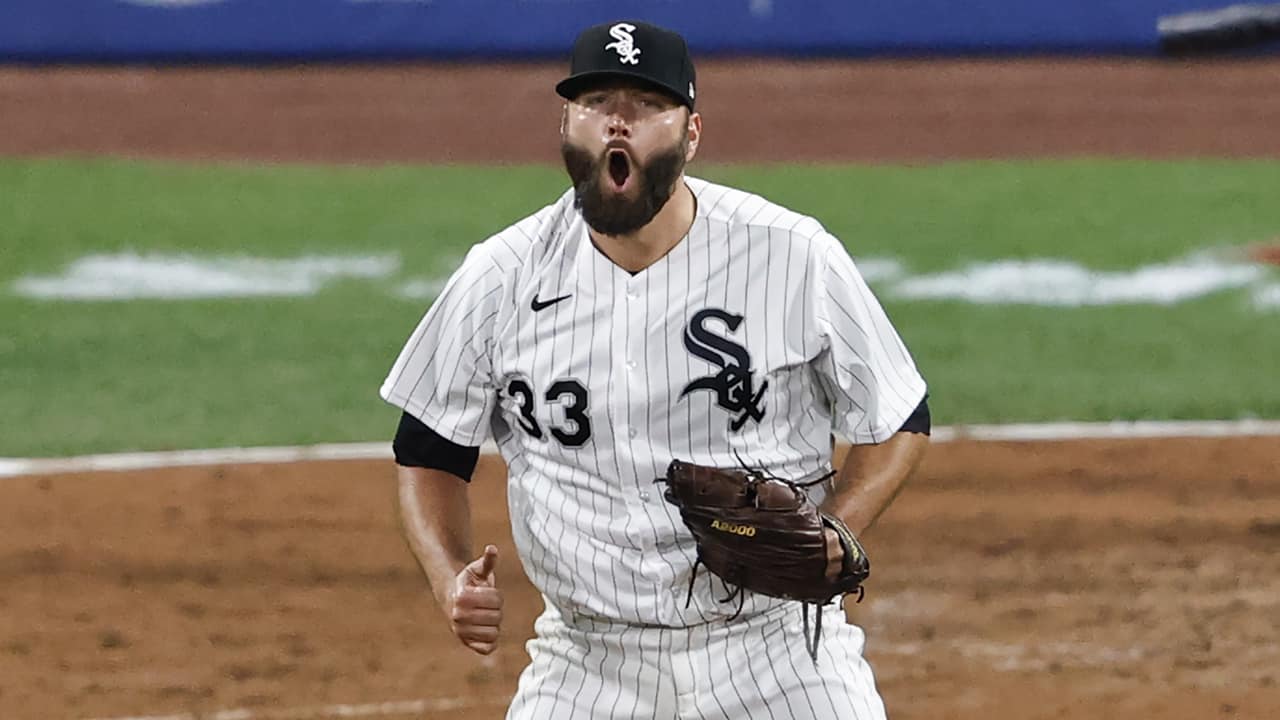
[[614, 213]]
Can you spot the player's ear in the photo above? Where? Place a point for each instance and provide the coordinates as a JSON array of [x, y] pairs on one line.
[[694, 135], [564, 119]]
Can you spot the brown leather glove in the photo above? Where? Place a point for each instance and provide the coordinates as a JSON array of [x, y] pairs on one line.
[[763, 534]]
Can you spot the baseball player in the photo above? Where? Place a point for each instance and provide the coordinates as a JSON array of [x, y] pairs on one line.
[[643, 317]]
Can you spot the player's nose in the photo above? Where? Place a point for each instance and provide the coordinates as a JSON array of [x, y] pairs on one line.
[[617, 127]]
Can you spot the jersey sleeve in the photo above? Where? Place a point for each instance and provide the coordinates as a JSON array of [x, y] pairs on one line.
[[871, 380], [443, 375]]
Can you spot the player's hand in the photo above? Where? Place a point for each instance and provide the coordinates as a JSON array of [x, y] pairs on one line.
[[835, 554], [474, 608]]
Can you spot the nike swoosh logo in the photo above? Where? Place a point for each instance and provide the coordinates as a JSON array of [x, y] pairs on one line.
[[544, 304]]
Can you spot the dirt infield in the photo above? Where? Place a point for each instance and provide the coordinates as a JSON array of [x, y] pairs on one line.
[[754, 111], [1095, 579], [1084, 579]]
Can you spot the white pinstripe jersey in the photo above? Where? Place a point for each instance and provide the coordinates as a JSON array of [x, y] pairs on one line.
[[755, 336]]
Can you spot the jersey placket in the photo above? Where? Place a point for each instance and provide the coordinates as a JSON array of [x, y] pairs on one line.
[[634, 441], [629, 330]]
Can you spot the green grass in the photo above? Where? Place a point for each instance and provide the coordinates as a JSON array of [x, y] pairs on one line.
[[1106, 214], [79, 377], [62, 210]]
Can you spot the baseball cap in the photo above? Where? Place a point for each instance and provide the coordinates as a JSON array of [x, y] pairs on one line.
[[631, 49]]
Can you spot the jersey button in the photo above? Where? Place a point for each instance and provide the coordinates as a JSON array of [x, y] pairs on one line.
[[633, 432], [644, 495]]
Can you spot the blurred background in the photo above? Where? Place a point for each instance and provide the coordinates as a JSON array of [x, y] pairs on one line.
[[221, 216], [220, 219]]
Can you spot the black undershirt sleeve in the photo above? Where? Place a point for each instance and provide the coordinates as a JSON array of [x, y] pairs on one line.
[[919, 422], [417, 445]]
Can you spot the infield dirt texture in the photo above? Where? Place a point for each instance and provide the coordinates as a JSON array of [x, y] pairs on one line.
[[1100, 579]]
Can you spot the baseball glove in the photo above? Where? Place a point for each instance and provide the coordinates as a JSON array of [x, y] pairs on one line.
[[764, 534]]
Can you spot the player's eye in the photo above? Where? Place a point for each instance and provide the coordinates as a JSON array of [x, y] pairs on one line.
[[657, 103]]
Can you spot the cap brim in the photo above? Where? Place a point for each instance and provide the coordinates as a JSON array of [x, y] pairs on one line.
[[572, 86]]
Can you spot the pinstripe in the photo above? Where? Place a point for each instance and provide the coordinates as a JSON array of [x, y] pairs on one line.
[[854, 662], [875, 368], [688, 649], [595, 497], [810, 408], [706, 300], [648, 436], [778, 443], [549, 667], [467, 399], [593, 563], [727, 276], [560, 696], [600, 686], [684, 249], [539, 350], [633, 416], [780, 640], [432, 323], [895, 359], [507, 243], [618, 680], [747, 650], [822, 680], [657, 663], [596, 293], [613, 353], [706, 646]]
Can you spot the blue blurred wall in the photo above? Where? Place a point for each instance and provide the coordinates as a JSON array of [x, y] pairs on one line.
[[248, 30]]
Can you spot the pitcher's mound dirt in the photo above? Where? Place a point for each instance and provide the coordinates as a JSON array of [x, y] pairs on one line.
[[1051, 580]]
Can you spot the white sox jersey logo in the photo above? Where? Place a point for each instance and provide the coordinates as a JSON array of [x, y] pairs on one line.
[[624, 43], [732, 385]]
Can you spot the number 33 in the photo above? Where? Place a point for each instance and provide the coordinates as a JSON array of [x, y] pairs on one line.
[[571, 394]]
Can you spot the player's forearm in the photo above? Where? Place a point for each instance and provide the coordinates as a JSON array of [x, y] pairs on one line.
[[435, 515], [872, 475]]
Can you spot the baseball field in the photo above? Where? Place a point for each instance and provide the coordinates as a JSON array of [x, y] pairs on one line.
[[217, 258]]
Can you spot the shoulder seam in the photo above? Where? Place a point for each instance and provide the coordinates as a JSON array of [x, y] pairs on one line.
[[802, 219]]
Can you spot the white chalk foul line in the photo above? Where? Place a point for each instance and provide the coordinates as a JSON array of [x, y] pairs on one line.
[[323, 712], [187, 458], [10, 467], [1115, 430]]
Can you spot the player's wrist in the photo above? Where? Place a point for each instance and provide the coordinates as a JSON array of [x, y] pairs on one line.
[[444, 583], [447, 596]]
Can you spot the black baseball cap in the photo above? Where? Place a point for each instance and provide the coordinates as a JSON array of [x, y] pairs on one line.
[[631, 49]]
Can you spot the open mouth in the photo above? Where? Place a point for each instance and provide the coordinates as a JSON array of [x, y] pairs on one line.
[[619, 168]]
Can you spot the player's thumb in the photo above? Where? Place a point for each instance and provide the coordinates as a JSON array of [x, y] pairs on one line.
[[480, 570]]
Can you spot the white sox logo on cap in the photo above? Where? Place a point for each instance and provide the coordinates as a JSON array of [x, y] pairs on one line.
[[625, 44]]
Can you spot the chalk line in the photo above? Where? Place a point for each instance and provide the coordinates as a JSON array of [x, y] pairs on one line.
[[1030, 432], [1114, 430], [321, 712], [190, 458]]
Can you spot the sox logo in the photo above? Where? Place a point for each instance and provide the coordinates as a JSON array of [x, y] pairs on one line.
[[625, 43], [733, 384]]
